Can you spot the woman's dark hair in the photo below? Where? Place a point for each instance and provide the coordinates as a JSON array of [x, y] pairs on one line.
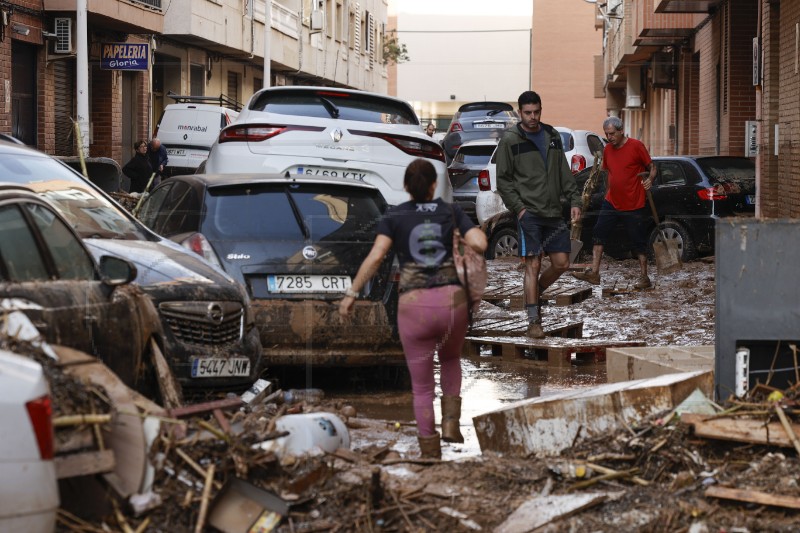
[[420, 175], [137, 144]]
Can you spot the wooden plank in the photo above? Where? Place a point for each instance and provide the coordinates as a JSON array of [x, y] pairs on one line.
[[753, 496], [205, 407], [573, 296], [542, 510], [553, 327], [739, 430], [84, 464]]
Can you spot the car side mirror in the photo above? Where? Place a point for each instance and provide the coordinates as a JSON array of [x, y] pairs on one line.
[[116, 271]]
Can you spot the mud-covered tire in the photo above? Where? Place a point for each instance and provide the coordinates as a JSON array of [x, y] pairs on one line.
[[677, 232], [504, 243]]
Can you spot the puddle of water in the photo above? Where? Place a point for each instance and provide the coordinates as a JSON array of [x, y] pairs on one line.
[[486, 386]]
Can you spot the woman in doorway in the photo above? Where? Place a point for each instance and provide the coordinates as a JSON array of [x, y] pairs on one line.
[[432, 312], [138, 169]]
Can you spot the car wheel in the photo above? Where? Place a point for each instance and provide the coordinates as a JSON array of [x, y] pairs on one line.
[[504, 243], [676, 232]]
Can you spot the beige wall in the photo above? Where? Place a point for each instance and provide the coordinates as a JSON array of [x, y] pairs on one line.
[[564, 45]]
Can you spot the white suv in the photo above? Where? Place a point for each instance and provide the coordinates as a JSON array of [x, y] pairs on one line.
[[322, 131]]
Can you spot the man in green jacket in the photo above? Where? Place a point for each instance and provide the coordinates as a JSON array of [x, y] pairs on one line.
[[532, 175]]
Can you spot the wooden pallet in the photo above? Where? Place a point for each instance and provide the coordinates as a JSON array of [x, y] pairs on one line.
[[560, 296], [517, 327], [554, 350]]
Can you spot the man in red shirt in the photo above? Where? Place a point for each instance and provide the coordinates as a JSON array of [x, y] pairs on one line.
[[626, 160]]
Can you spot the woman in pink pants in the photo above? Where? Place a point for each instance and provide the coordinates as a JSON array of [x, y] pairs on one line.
[[432, 312]]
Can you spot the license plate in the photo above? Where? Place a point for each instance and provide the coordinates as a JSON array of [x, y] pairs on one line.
[[219, 367], [176, 151], [750, 199], [485, 125], [332, 173], [308, 283]]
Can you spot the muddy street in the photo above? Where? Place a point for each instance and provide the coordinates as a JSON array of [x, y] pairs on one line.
[[679, 310]]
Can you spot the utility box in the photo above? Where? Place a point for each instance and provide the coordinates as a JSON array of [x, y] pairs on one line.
[[757, 304]]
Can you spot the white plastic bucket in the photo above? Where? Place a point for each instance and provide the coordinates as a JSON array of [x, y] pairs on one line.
[[308, 431]]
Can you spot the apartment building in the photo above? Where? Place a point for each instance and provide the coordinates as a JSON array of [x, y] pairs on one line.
[[709, 77], [141, 50]]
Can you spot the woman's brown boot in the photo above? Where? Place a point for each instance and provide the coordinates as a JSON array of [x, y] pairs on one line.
[[430, 447], [451, 419]]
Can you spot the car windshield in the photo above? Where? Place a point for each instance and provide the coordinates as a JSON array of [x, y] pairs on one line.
[[728, 169], [87, 211], [333, 104], [292, 212]]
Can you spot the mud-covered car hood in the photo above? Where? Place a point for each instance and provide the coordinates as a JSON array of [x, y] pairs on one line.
[[162, 266]]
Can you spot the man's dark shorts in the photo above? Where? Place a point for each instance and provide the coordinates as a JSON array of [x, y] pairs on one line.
[[635, 222], [537, 233]]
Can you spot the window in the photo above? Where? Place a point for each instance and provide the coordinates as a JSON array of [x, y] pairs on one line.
[[197, 77], [341, 22], [309, 103], [267, 212], [330, 12], [353, 30], [18, 248], [71, 260], [670, 173], [475, 155]]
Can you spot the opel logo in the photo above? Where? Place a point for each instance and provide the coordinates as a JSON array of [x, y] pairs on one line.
[[309, 252], [336, 135], [215, 313]]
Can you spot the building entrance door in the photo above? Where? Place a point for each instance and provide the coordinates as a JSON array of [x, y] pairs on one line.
[[23, 92], [130, 114]]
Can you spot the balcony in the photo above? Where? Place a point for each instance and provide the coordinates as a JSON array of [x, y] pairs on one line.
[[661, 29], [126, 16], [685, 6]]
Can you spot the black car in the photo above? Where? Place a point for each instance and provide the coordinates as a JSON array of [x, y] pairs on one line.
[[47, 274], [209, 336], [470, 159], [295, 244], [690, 194], [477, 120]]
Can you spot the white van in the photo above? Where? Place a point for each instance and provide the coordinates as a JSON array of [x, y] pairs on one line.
[[189, 127]]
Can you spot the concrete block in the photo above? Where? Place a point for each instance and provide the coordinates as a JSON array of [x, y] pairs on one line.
[[628, 363], [546, 426]]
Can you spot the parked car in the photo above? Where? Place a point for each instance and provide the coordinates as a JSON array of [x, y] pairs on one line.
[[28, 486], [324, 132], [470, 160], [296, 243], [189, 127], [690, 194], [580, 147], [478, 120], [209, 335], [47, 273]]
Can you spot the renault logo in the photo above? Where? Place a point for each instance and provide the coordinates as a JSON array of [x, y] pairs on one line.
[[215, 313], [309, 252], [336, 135]]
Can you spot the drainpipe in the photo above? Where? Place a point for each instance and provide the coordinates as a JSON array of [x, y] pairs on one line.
[[267, 43], [82, 67], [759, 158]]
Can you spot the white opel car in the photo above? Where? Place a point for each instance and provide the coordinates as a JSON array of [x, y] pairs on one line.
[[322, 131], [28, 486]]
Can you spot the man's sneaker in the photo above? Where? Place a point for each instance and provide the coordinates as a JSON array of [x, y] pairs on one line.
[[642, 283], [535, 330], [588, 275]]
